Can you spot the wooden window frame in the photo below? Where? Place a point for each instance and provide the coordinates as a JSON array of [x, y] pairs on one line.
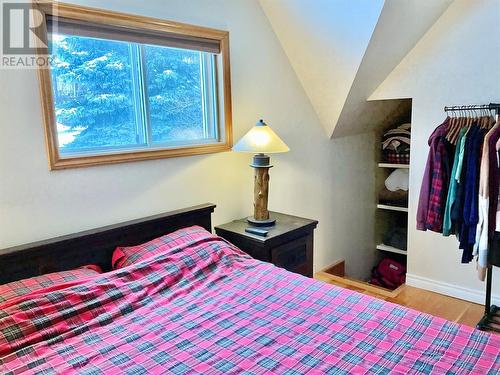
[[99, 16]]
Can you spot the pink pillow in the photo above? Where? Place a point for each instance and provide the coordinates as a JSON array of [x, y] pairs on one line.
[[125, 256], [25, 286]]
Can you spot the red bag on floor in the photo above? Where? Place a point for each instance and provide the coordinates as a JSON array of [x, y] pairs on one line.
[[389, 274]]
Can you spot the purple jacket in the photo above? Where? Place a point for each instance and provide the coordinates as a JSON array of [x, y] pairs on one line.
[[425, 190]]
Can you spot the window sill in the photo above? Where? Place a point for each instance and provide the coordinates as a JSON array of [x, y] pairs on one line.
[[56, 162]]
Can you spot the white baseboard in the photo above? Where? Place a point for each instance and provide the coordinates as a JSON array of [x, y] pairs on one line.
[[451, 290]]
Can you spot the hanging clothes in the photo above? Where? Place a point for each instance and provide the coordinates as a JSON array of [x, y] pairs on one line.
[[471, 203], [434, 187], [457, 211], [494, 252], [460, 189], [471, 192], [493, 179], [482, 233], [448, 225]]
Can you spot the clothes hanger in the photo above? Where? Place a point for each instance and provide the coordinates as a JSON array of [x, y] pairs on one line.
[[480, 118], [472, 116], [467, 121], [451, 125], [486, 119], [472, 119], [454, 124], [462, 122], [493, 121]]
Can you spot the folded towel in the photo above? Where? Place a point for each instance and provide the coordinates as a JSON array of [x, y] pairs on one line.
[[399, 179]]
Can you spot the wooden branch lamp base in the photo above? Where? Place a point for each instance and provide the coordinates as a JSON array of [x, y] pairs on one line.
[[261, 191]]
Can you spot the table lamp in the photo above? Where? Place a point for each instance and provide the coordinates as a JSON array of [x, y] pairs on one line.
[[260, 140]]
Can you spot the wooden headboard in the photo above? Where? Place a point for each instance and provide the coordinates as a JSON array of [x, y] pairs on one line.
[[95, 246]]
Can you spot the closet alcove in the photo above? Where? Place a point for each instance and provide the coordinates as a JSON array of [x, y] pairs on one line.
[[387, 216]]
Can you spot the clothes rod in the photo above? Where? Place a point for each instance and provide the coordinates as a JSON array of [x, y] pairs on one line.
[[490, 107]]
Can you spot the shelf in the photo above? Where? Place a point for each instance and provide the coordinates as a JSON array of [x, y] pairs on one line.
[[389, 165], [392, 208], [391, 249]]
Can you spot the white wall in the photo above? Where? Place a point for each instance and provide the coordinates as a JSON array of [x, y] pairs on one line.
[[319, 178], [457, 62]]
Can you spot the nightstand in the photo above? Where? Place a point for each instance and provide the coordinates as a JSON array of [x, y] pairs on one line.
[[289, 243]]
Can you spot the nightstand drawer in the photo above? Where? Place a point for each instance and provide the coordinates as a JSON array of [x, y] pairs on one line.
[[292, 256]]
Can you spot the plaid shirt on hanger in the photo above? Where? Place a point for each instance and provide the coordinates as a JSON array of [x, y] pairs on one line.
[[440, 179]]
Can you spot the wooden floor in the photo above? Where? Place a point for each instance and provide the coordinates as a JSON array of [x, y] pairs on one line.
[[449, 308]]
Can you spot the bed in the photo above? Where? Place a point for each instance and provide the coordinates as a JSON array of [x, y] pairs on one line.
[[206, 307]]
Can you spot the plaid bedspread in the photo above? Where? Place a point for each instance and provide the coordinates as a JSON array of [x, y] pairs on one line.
[[207, 308]]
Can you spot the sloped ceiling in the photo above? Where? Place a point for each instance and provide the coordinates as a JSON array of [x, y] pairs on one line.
[[325, 41], [342, 50]]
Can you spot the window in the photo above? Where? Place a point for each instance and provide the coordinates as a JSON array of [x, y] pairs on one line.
[[132, 88]]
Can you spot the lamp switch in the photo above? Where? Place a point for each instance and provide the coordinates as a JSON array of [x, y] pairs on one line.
[[257, 232]]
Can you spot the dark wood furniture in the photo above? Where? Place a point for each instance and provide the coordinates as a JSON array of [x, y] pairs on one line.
[[289, 244], [95, 246]]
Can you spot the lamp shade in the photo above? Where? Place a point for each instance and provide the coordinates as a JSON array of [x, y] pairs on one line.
[[261, 139]]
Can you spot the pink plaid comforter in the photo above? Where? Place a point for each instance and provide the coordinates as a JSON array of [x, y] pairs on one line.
[[208, 308]]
